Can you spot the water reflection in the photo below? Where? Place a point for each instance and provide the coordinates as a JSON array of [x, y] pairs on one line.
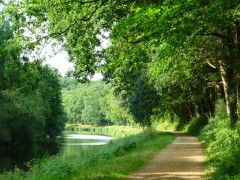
[[85, 140], [69, 144], [83, 136], [18, 155], [85, 144]]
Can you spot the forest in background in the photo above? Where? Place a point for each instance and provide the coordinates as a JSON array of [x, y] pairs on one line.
[[93, 103], [166, 58]]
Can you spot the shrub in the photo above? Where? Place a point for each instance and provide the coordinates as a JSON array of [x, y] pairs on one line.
[[196, 125], [222, 149], [165, 122]]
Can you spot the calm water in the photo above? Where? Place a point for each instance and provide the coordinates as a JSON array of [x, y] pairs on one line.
[[69, 144]]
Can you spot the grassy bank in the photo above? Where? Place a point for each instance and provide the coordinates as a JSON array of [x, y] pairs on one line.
[[114, 131], [115, 160]]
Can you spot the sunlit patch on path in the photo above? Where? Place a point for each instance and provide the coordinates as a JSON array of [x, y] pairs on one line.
[[183, 159]]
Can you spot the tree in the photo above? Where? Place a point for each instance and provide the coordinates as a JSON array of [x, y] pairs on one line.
[[50, 90], [117, 110], [68, 83], [143, 100]]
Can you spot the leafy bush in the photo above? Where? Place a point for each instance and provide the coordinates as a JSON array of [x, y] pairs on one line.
[[164, 122], [22, 118], [223, 149], [5, 135], [196, 125]]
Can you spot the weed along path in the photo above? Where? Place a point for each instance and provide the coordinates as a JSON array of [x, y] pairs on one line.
[[183, 159]]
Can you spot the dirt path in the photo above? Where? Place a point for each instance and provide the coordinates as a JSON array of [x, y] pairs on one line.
[[183, 159]]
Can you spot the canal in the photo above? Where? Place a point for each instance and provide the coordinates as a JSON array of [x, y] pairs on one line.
[[69, 144]]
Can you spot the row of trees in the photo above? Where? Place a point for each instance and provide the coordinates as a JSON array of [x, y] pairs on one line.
[[189, 50], [93, 103], [174, 56], [30, 95]]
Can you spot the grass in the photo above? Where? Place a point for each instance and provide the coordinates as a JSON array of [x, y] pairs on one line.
[[114, 161], [142, 149]]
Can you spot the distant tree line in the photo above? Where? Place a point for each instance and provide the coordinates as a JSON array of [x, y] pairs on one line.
[[93, 103]]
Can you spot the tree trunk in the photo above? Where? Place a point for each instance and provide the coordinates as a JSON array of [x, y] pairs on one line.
[[230, 92], [229, 70]]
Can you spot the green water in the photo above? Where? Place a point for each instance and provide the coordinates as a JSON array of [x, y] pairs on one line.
[[70, 144]]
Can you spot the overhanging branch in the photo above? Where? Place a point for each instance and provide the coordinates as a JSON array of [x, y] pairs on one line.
[[72, 2], [214, 34], [79, 2], [211, 65], [86, 19]]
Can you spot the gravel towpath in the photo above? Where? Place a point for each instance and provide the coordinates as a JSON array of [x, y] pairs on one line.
[[183, 159]]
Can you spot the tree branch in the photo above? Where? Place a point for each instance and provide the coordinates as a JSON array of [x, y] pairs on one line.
[[72, 1], [79, 2], [210, 65], [213, 34], [56, 34], [132, 42]]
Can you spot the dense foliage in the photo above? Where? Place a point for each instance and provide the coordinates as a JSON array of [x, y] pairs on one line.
[[30, 97], [222, 149]]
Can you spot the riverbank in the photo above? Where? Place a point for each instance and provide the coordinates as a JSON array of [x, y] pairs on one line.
[[115, 160], [113, 130]]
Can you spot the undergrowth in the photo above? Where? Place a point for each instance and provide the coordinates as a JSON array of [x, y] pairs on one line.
[[222, 144], [195, 126], [222, 149]]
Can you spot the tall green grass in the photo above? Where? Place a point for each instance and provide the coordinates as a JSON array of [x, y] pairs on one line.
[[115, 160]]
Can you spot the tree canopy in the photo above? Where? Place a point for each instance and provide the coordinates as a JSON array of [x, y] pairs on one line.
[[188, 50]]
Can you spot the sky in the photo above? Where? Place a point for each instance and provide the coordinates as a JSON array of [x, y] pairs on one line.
[[60, 62]]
